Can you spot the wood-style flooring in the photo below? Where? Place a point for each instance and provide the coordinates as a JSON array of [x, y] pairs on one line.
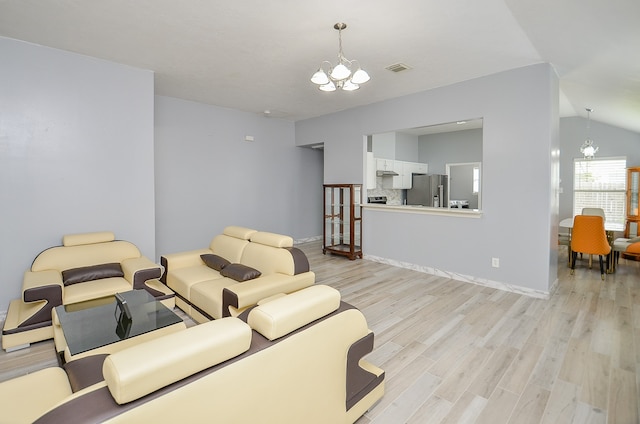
[[455, 352]]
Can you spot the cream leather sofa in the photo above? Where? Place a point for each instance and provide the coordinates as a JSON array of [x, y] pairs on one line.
[[294, 359], [206, 293], [86, 267]]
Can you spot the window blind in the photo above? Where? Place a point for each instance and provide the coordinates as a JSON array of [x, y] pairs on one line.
[[600, 183]]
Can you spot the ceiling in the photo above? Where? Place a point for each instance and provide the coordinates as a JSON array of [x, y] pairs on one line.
[[255, 55]]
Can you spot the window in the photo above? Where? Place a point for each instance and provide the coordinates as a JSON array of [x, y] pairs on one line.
[[600, 183]]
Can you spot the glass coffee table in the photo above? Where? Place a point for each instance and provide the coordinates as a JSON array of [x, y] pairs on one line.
[[86, 329]]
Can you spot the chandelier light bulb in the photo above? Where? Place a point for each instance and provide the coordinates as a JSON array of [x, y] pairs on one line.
[[360, 76], [588, 149], [350, 86], [340, 72], [330, 86], [320, 77]]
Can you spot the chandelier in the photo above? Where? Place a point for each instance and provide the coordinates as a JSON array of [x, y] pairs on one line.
[[342, 75], [587, 148]]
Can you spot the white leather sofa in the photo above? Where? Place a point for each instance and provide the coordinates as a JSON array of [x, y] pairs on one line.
[[294, 359], [214, 291], [87, 266]]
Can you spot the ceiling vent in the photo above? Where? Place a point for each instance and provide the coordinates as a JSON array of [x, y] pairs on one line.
[[398, 67]]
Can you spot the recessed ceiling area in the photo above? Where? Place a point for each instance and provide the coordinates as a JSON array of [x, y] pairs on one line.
[[469, 124], [255, 56]]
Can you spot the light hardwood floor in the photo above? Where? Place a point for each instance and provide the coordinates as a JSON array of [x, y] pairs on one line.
[[460, 353]]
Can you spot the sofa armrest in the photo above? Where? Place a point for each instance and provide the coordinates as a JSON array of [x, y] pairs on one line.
[[249, 293], [362, 377], [35, 279], [173, 261], [138, 270], [45, 287]]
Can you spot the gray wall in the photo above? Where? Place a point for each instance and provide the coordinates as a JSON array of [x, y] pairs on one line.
[[611, 142], [407, 147], [520, 111], [208, 177], [453, 147], [76, 154], [384, 145]]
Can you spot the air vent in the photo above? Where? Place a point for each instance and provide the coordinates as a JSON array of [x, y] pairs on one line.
[[398, 67]]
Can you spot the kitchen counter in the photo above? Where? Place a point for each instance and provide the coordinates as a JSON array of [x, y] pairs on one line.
[[427, 210]]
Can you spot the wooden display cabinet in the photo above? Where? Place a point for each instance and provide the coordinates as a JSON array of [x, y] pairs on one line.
[[633, 185], [342, 228]]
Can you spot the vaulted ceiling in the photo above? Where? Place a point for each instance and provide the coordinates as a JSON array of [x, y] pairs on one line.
[[256, 55]]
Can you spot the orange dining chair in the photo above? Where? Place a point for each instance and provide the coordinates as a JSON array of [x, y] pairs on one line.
[[588, 236], [593, 211]]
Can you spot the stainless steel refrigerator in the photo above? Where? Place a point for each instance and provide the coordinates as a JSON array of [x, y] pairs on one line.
[[429, 190]]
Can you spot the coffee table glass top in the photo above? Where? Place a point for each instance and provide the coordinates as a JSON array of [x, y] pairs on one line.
[[94, 327]]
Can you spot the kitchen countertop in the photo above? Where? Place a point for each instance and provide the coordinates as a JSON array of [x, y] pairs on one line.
[[427, 210]]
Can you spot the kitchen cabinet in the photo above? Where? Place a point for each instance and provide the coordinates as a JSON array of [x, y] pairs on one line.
[[410, 168], [342, 227], [421, 168], [398, 181], [384, 164], [371, 171], [404, 170], [633, 217]]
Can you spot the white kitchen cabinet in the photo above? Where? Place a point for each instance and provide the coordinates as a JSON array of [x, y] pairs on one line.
[[384, 164], [371, 171], [408, 168], [397, 181], [404, 170], [421, 168]]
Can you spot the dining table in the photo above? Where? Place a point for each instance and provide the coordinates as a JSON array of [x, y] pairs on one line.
[[610, 228]]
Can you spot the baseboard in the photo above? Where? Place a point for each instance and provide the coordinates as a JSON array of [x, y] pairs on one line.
[[307, 240], [461, 277]]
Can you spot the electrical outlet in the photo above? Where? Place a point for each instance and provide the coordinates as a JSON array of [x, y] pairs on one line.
[[495, 262]]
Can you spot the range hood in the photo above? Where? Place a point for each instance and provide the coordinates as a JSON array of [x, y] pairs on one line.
[[386, 174]]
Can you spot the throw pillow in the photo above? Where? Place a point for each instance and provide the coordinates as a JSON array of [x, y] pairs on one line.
[[240, 272], [90, 273], [214, 261]]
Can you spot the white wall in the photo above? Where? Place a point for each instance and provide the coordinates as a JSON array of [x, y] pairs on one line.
[[208, 177], [519, 108], [76, 154]]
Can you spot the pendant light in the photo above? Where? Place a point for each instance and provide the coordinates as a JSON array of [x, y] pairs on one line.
[[588, 149]]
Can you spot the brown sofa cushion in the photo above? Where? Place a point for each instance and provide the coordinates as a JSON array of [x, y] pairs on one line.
[[240, 272], [214, 261], [90, 273]]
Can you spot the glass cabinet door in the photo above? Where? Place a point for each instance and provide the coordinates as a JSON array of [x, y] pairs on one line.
[[633, 184], [633, 189]]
